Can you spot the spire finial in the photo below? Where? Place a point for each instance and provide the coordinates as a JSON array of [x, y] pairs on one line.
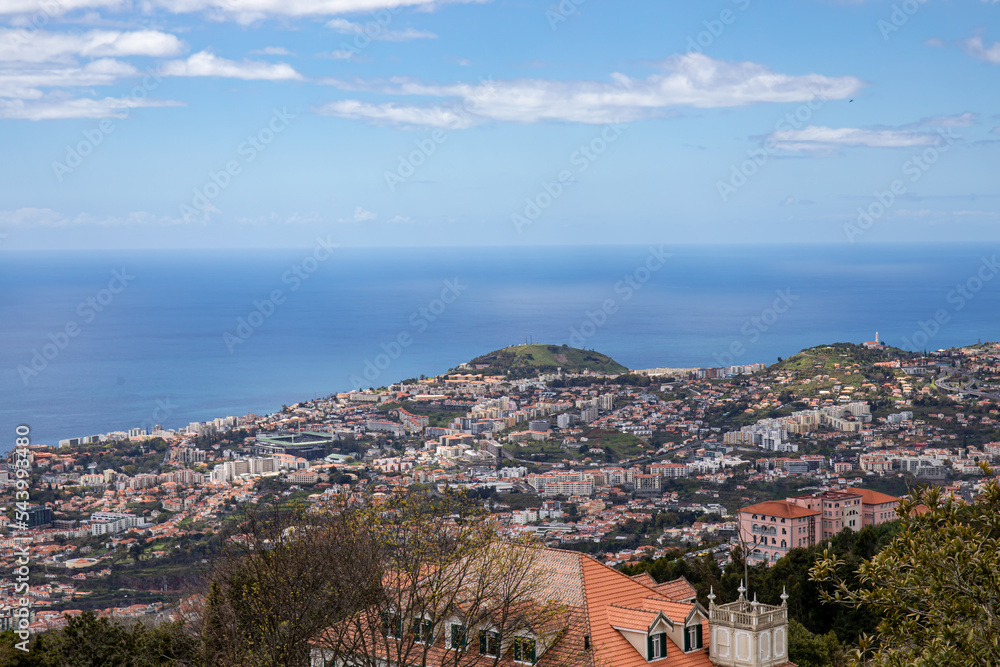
[[784, 596], [711, 596], [742, 589]]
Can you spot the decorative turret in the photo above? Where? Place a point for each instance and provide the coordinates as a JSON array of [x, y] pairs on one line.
[[748, 634]]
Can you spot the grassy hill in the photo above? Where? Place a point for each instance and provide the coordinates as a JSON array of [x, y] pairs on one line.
[[830, 357], [523, 361]]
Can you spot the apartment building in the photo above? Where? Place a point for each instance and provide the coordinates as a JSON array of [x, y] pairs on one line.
[[771, 528]]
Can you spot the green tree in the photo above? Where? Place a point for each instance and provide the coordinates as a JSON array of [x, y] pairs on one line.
[[935, 586], [808, 650], [88, 641], [135, 551]]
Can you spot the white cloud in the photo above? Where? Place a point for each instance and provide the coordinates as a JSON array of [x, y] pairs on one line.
[[275, 218], [361, 215], [378, 32], [46, 217], [397, 115], [42, 217], [204, 63], [814, 138], [967, 119], [272, 51], [55, 109], [242, 10], [38, 46], [692, 80], [339, 54], [974, 47], [400, 220], [49, 8], [934, 42], [25, 83], [251, 10], [985, 214]]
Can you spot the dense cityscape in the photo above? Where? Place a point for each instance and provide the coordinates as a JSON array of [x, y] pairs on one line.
[[625, 466]]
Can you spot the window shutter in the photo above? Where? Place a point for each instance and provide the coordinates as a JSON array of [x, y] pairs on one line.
[[649, 647], [687, 640], [663, 644], [482, 641], [698, 636], [531, 653]]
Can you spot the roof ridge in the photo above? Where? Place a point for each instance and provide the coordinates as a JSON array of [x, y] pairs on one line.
[[623, 606]]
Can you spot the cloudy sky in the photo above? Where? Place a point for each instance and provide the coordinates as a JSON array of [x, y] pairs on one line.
[[265, 123]]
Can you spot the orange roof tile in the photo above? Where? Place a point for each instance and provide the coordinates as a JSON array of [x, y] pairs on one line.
[[869, 497], [778, 508], [678, 589], [631, 618], [605, 587], [644, 578]]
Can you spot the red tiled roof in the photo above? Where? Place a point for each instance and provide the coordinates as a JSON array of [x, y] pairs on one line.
[[779, 508], [678, 589], [631, 618], [869, 497], [596, 599], [605, 587], [644, 578]]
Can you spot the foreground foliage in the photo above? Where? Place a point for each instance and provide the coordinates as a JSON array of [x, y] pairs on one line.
[[88, 641], [935, 586]]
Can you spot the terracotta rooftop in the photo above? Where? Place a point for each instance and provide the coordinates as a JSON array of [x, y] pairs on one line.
[[678, 589], [869, 497], [644, 578], [778, 508]]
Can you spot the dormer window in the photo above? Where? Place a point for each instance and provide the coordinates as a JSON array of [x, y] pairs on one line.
[[489, 643], [656, 646], [392, 625], [459, 637], [692, 638], [423, 631], [524, 650]]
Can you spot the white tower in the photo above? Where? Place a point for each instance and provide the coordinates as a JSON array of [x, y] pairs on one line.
[[748, 634]]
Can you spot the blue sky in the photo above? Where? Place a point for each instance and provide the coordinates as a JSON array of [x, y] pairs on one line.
[[266, 123]]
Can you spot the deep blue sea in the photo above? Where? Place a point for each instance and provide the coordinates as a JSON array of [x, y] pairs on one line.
[[94, 342]]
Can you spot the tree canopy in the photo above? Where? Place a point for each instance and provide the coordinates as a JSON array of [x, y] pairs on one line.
[[935, 586]]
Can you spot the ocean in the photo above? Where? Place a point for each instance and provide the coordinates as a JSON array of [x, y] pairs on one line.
[[95, 342]]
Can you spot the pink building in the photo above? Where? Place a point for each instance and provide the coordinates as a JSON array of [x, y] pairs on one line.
[[771, 528], [878, 507], [840, 509]]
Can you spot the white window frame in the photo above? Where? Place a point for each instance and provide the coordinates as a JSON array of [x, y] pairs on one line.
[[659, 646]]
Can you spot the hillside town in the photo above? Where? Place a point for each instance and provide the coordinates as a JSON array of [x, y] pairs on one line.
[[623, 467]]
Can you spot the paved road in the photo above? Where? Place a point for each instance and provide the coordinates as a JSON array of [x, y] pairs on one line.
[[943, 383]]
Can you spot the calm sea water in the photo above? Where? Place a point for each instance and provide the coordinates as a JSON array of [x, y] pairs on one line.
[[186, 336]]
